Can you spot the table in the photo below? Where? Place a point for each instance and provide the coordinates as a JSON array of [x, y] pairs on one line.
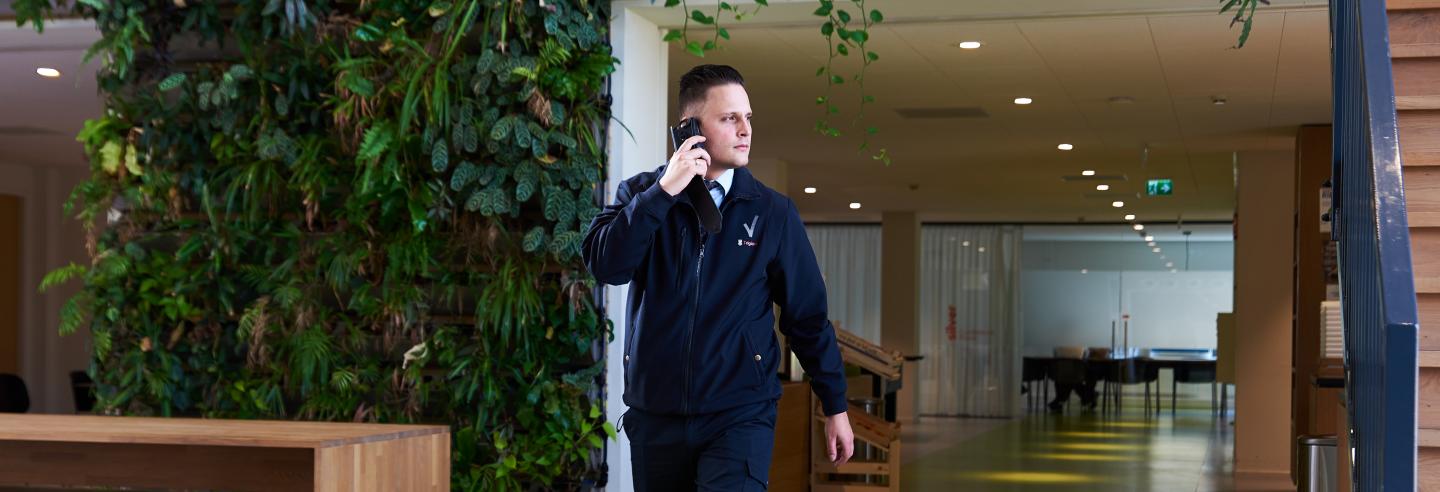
[[88, 450], [1038, 369], [1179, 365]]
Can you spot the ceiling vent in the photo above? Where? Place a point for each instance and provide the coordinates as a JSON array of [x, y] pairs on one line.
[[25, 131], [941, 113]]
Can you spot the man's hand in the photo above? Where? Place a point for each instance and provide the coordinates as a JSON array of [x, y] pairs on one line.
[[839, 439], [686, 163]]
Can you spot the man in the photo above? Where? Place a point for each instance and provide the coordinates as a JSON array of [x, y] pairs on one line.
[[1086, 390], [700, 352]]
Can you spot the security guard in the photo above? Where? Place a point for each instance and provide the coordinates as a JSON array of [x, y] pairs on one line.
[[701, 356]]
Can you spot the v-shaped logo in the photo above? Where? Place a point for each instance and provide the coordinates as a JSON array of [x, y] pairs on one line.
[[750, 228]]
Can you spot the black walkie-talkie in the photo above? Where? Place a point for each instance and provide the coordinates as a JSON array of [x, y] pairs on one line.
[[699, 196]]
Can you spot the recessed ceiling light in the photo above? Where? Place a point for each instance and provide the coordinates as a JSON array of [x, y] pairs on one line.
[[1084, 271], [1169, 264], [1139, 227], [1157, 250], [1023, 100], [1218, 101], [1149, 238], [1102, 187], [970, 45], [1150, 244], [47, 72], [1087, 172], [1065, 147], [810, 189], [982, 249], [1117, 204], [1172, 270], [1129, 216], [965, 244], [854, 205]]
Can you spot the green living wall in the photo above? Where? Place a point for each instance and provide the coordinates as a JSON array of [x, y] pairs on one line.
[[351, 211]]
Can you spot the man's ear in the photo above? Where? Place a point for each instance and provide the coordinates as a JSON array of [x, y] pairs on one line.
[[693, 111]]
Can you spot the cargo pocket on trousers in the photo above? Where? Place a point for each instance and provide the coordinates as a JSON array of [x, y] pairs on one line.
[[758, 473], [758, 466]]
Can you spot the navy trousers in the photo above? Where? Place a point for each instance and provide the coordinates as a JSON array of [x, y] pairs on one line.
[[727, 450]]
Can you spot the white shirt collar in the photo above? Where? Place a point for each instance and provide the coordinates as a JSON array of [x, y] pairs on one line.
[[725, 179]]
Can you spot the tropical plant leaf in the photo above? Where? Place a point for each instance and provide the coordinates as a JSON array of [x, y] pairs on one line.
[[377, 141], [61, 275], [501, 129], [464, 174], [440, 156], [72, 315], [172, 82], [534, 240]]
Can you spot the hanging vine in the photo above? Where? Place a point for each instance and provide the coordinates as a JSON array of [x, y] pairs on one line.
[[696, 47], [1245, 16], [841, 37], [838, 25]]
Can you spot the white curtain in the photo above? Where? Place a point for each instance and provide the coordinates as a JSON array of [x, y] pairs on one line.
[[972, 357], [849, 257]]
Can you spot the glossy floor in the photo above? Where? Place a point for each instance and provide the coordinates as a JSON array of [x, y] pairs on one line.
[[1080, 451]]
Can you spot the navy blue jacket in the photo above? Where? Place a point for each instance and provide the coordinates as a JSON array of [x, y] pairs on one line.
[[699, 334]]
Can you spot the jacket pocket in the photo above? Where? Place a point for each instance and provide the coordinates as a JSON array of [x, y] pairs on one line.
[[753, 357], [631, 337]]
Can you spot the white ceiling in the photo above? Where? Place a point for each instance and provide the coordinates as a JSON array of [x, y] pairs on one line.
[[1170, 58], [1006, 167], [41, 116]]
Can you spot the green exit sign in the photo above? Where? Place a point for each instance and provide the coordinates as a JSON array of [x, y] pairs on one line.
[[1159, 187]]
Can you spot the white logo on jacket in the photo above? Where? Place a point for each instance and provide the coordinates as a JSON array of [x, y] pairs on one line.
[[750, 232]]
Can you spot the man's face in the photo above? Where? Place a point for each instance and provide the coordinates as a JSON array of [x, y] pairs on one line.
[[725, 123]]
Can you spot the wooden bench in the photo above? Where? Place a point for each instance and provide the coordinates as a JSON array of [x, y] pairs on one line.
[[84, 450]]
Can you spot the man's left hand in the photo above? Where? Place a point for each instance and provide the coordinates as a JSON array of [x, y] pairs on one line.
[[839, 439]]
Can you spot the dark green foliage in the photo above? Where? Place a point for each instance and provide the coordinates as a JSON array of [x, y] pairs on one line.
[[355, 211], [1245, 16]]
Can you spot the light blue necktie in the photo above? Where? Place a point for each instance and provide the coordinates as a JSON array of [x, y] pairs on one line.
[[717, 192]]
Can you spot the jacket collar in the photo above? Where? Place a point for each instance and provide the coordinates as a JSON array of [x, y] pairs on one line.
[[746, 187], [743, 186]]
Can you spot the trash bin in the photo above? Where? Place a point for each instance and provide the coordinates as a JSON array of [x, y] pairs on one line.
[[1317, 463], [864, 451]]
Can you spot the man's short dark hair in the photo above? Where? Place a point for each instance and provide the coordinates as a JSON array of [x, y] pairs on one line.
[[698, 81]]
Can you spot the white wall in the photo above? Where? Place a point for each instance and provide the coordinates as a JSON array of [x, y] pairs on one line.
[[1131, 255], [51, 240], [640, 76], [1063, 306]]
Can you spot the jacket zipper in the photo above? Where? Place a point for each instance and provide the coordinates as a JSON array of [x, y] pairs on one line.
[[695, 312], [690, 335]]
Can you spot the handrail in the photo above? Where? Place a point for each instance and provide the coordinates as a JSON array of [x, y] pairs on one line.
[[1377, 286]]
